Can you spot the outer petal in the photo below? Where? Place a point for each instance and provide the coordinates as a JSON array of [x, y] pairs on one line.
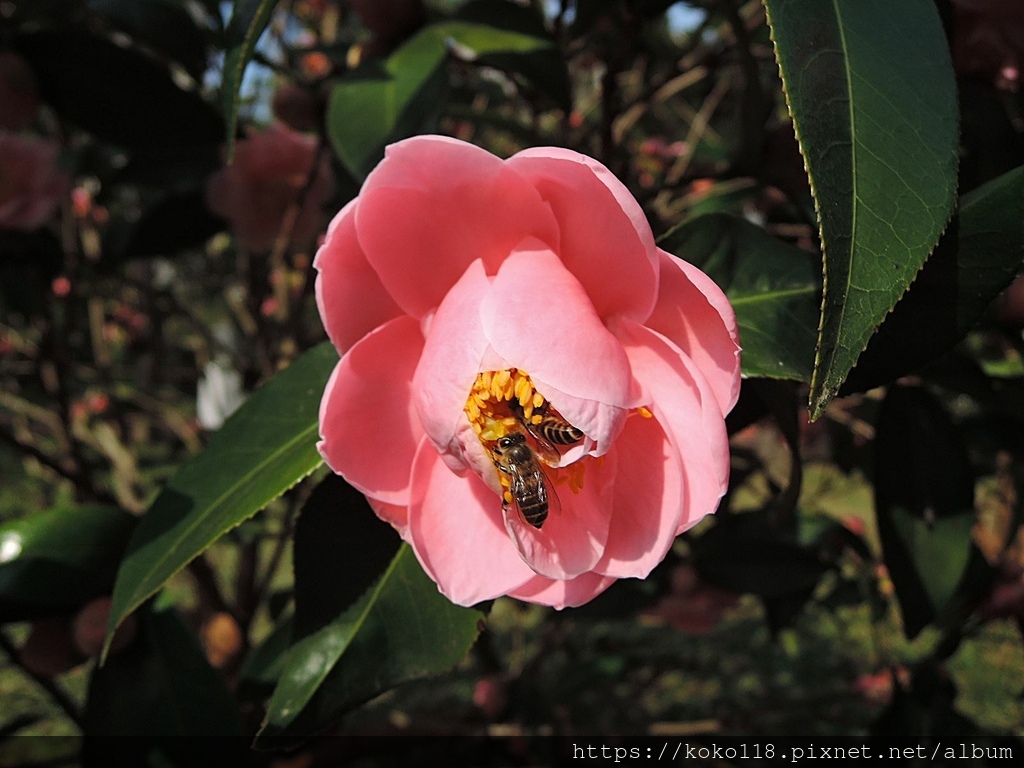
[[433, 206], [391, 513], [570, 542], [684, 405], [563, 594], [350, 296], [648, 500], [694, 313], [539, 318], [367, 421], [456, 530], [605, 238]]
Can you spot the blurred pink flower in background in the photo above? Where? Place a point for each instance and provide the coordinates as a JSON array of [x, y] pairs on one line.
[[269, 171], [475, 299], [19, 92], [31, 185]]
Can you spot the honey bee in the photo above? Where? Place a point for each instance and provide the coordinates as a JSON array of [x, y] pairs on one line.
[[533, 495], [552, 430]]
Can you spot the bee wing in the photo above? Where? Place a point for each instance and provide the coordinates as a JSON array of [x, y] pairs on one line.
[[545, 449], [554, 504]]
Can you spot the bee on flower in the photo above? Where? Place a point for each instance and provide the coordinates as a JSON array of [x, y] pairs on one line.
[[530, 391]]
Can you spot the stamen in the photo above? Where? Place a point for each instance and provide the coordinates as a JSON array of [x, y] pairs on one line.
[[504, 402]]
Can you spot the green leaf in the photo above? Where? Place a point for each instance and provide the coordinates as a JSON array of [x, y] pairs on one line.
[[58, 560], [991, 244], [924, 500], [977, 257], [266, 447], [374, 106], [870, 87], [774, 287], [159, 695], [248, 20], [401, 630]]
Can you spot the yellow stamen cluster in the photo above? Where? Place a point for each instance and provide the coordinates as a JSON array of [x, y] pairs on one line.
[[489, 404], [490, 412]]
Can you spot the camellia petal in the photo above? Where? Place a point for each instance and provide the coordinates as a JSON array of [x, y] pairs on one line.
[[433, 206], [647, 503], [571, 541], [688, 412], [563, 594], [368, 425], [695, 314], [456, 530], [349, 294], [606, 241], [532, 298]]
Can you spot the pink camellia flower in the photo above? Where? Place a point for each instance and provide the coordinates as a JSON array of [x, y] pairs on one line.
[[530, 391], [268, 174], [31, 185]]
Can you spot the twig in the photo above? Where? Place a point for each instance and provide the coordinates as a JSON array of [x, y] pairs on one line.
[[78, 479]]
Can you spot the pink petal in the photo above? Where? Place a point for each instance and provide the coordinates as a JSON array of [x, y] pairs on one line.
[[433, 206], [571, 541], [563, 594], [456, 530], [452, 355], [648, 500], [367, 421], [396, 515], [350, 296], [539, 318], [694, 313], [685, 407], [605, 238]]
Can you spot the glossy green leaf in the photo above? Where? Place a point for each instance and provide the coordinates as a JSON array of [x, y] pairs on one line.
[[339, 540], [976, 259], [402, 629], [924, 500], [774, 287], [375, 105], [266, 447], [248, 20], [57, 560], [159, 696], [991, 251], [870, 87]]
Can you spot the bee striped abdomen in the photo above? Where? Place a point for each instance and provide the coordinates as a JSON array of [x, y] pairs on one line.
[[534, 508], [558, 431]]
